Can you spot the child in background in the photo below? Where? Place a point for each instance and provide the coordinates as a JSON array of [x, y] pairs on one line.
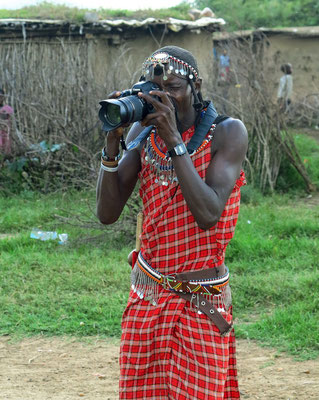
[[285, 88]]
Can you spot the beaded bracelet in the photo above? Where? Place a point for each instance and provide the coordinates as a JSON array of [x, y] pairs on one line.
[[109, 169], [105, 157], [109, 163]]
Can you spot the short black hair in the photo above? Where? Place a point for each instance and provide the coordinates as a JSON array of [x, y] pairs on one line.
[[286, 68]]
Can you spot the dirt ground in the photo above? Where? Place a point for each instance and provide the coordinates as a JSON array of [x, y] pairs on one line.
[[67, 369]]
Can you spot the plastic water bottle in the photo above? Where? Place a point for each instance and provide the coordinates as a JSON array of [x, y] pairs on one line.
[[63, 237], [43, 235]]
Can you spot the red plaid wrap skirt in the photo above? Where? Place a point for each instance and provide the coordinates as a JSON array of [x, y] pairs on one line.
[[169, 350]]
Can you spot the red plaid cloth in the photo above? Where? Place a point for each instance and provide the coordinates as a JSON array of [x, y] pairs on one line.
[[170, 351]]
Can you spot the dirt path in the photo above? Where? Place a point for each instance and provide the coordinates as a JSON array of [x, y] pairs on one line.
[[66, 369]]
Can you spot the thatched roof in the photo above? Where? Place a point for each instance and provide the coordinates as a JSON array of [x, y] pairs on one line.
[[301, 32], [27, 28]]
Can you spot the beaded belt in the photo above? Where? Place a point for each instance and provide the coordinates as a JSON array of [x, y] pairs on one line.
[[207, 282], [182, 282]]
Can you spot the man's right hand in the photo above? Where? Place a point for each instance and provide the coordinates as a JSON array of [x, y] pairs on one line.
[[113, 137]]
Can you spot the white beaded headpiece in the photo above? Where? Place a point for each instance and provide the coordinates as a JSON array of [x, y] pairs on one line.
[[175, 66]]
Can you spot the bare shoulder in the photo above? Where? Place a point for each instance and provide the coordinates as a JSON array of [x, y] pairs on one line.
[[231, 134]]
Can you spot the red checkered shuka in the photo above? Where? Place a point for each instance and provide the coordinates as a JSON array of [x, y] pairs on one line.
[[169, 350]]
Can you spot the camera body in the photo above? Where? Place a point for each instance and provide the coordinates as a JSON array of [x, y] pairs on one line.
[[127, 108]]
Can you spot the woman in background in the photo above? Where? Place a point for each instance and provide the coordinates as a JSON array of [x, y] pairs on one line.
[[285, 88]]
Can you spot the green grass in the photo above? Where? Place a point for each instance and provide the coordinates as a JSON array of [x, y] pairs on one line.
[[76, 289], [274, 260], [81, 288], [47, 10]]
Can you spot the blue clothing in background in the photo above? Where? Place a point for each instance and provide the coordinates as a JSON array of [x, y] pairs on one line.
[[224, 60]]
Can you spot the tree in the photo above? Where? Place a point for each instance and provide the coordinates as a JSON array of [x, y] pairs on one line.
[[249, 14]]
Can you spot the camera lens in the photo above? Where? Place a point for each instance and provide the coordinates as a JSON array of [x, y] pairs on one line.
[[116, 112], [113, 114], [127, 108]]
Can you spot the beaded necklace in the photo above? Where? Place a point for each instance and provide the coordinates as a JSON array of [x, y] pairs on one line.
[[160, 161]]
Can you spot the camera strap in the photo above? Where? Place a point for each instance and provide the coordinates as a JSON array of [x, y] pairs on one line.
[[201, 130], [139, 138]]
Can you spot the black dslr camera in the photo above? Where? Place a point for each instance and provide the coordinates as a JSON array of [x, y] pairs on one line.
[[128, 107]]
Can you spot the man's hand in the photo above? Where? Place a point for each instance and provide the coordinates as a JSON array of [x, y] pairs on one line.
[[113, 137], [163, 117]]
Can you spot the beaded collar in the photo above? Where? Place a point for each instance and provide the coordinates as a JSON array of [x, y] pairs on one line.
[[160, 161]]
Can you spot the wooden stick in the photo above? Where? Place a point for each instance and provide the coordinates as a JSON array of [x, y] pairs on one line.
[[139, 225]]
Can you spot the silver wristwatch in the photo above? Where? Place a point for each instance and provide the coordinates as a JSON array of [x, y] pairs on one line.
[[178, 150]]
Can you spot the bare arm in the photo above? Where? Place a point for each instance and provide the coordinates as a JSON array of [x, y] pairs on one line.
[[205, 199], [114, 188]]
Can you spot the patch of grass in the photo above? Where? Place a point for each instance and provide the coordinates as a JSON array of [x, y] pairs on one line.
[[76, 289], [31, 209], [48, 288], [274, 262], [286, 330]]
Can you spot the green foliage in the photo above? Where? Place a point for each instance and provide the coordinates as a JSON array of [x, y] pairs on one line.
[[179, 12], [47, 10], [251, 195], [289, 181], [249, 14], [41, 169], [288, 178], [239, 14]]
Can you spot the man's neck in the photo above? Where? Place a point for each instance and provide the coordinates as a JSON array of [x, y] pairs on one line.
[[186, 122]]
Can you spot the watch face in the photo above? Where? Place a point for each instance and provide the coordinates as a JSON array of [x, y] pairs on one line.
[[178, 150]]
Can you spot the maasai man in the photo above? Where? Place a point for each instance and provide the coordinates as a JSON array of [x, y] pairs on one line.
[[177, 336]]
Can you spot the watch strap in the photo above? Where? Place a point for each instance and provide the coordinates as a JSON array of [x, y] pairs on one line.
[[178, 150]]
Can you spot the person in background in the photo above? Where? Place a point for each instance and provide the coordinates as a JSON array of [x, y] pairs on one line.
[[224, 66], [224, 78], [177, 336], [285, 88], [5, 124]]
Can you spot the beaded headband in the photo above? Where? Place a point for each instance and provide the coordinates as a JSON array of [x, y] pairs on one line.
[[175, 66]]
